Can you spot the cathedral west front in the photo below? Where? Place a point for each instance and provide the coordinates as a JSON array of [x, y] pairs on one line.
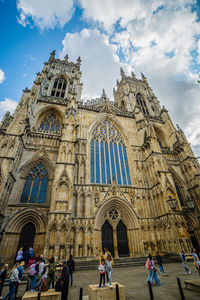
[[78, 176]]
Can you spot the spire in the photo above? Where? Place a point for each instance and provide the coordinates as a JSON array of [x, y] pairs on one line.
[[122, 73], [114, 92], [52, 55], [79, 60], [117, 82], [133, 75], [66, 58], [144, 78], [104, 96]]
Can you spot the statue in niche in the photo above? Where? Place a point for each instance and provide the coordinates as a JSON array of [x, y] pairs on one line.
[[96, 199]]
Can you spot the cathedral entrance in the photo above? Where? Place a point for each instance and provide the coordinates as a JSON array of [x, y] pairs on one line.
[[27, 235], [107, 237], [122, 241]]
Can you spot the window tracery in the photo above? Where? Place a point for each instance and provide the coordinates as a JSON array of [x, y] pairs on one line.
[[35, 187], [59, 88], [142, 103], [108, 156], [50, 124]]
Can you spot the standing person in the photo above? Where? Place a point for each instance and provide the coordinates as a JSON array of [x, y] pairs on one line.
[[20, 270], [184, 261], [149, 268], [71, 266], [41, 266], [3, 275], [154, 272], [51, 272], [31, 252], [64, 280], [102, 270], [26, 255], [14, 280], [159, 262], [196, 260], [19, 257], [109, 269], [33, 274]]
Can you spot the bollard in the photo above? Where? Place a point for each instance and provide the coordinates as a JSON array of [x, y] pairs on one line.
[[117, 292], [150, 291], [81, 294], [180, 289], [38, 295]]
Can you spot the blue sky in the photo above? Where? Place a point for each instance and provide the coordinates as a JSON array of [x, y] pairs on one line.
[[159, 38]]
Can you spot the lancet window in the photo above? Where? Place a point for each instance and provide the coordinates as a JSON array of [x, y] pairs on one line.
[[50, 124], [59, 88], [35, 187], [108, 156], [142, 103]]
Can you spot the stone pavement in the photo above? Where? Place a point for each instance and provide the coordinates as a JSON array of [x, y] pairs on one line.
[[134, 279]]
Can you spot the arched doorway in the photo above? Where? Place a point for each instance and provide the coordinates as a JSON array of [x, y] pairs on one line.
[[107, 237], [122, 241], [27, 235]]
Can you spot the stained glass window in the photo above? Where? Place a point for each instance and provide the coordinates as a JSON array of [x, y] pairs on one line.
[[59, 88], [108, 156], [50, 124], [35, 187]]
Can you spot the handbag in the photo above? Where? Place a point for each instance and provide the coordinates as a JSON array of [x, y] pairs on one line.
[[59, 285]]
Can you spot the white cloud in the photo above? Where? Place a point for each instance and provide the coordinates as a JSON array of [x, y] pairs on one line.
[[2, 76], [100, 66], [7, 105], [45, 13]]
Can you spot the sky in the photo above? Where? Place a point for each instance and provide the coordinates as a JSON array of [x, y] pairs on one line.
[[156, 37]]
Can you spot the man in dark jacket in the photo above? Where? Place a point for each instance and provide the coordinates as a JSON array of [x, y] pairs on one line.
[[3, 276], [71, 266], [65, 280], [159, 262]]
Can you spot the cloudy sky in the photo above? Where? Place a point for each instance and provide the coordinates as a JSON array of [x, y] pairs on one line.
[[157, 37]]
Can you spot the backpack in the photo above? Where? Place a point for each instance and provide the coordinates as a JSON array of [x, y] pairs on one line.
[[32, 270], [147, 264]]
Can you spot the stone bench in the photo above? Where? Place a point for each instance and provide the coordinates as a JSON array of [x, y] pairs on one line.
[[106, 293], [193, 285], [49, 295]]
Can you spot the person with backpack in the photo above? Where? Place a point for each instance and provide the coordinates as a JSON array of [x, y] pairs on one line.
[[196, 261], [51, 272], [3, 275], [149, 268], [159, 262], [21, 270], [33, 274], [71, 266], [13, 282]]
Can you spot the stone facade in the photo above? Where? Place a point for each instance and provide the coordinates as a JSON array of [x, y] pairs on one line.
[[163, 171]]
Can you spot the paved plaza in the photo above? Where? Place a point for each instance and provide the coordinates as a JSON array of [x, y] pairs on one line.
[[134, 279]]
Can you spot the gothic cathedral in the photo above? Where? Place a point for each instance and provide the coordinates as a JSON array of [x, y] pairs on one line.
[[78, 176]]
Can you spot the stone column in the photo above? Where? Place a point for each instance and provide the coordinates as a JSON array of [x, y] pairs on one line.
[[115, 243]]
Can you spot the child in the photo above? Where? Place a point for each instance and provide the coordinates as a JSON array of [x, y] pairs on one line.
[[102, 270], [154, 273], [42, 284], [109, 269]]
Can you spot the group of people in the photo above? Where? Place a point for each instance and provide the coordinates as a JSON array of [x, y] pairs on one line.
[[196, 261], [25, 254], [105, 268], [40, 278], [153, 272]]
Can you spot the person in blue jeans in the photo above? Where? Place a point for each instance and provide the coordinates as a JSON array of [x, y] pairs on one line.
[[71, 266], [109, 269], [159, 262], [14, 279], [149, 268]]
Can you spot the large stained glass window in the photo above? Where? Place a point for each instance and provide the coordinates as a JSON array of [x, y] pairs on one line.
[[35, 187], [108, 156], [50, 124]]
